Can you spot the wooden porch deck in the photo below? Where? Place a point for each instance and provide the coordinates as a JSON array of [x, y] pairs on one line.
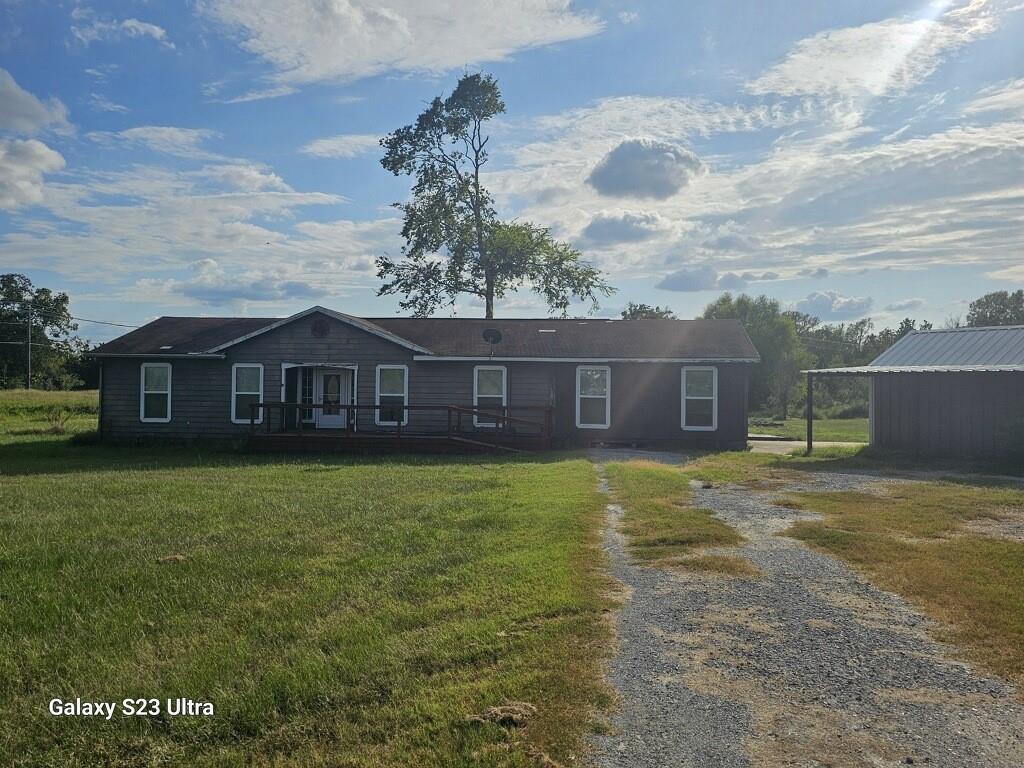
[[510, 434]]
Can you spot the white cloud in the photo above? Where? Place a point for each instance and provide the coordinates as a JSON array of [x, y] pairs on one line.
[[342, 41], [24, 113], [102, 103], [171, 140], [343, 146], [259, 94], [1006, 97], [904, 305], [832, 305], [246, 177], [628, 17], [875, 59], [22, 165], [644, 168], [213, 286], [114, 30]]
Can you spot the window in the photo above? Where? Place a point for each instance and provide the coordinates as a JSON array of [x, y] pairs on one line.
[[393, 392], [593, 397], [700, 399], [246, 389], [155, 392], [490, 393], [306, 396]]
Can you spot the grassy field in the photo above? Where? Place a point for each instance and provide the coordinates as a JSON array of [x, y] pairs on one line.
[[839, 430], [353, 612], [36, 411], [662, 526]]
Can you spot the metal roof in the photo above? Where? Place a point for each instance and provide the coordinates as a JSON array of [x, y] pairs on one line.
[[953, 350]]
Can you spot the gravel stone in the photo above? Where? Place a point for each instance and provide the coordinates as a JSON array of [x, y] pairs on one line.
[[805, 664]]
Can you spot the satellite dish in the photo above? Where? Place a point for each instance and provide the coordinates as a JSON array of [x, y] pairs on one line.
[[492, 336]]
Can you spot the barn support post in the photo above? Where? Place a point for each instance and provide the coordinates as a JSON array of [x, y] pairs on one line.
[[810, 411]]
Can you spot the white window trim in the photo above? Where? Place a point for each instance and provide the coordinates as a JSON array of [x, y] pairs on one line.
[[244, 419], [143, 393], [476, 393], [713, 398], [405, 394], [607, 396]]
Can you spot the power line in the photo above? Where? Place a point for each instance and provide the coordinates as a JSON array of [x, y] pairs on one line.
[[58, 316]]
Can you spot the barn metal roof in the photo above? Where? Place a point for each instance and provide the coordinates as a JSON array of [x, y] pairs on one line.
[[953, 350]]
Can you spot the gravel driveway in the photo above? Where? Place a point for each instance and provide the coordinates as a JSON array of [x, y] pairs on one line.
[[803, 665]]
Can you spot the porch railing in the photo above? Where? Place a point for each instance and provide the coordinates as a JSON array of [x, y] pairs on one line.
[[488, 421]]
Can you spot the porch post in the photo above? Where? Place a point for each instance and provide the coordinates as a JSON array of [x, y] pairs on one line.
[[810, 412]]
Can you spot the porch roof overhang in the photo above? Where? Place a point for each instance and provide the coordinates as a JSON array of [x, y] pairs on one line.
[[870, 370]]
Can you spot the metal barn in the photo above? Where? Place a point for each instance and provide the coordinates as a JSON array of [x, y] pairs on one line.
[[956, 392]]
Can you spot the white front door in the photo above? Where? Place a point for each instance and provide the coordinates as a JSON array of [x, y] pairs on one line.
[[332, 389]]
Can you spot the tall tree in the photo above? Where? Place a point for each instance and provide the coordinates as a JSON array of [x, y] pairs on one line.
[[647, 312], [998, 308], [454, 241], [774, 335], [25, 310]]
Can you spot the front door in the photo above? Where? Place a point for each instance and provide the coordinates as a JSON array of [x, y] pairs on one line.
[[333, 391]]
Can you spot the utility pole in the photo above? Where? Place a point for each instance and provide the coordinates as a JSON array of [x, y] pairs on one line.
[[30, 344]]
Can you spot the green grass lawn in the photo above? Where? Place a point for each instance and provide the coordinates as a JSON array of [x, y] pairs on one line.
[[839, 430], [353, 612]]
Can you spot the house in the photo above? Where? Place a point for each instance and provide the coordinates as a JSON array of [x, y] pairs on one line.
[[956, 392], [321, 374]]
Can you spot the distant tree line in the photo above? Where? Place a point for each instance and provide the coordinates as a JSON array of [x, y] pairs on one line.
[[42, 316], [790, 342]]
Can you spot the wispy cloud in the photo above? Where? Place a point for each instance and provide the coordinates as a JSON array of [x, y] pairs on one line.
[[310, 42], [343, 145], [171, 140], [97, 30], [102, 103], [876, 59]]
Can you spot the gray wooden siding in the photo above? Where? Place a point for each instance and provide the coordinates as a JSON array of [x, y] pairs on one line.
[[647, 406], [646, 402], [947, 414]]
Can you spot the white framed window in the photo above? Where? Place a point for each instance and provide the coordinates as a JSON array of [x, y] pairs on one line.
[[246, 389], [490, 392], [593, 397], [155, 393], [392, 392], [700, 399]]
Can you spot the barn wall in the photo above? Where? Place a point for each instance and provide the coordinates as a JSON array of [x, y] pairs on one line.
[[947, 414]]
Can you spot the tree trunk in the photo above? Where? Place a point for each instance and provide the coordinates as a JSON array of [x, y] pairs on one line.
[[489, 298]]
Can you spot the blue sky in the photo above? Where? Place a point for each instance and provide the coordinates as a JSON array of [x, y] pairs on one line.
[[852, 159]]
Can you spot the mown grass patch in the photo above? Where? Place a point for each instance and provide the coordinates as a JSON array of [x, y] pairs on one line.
[[662, 526], [910, 539], [336, 611], [837, 430]]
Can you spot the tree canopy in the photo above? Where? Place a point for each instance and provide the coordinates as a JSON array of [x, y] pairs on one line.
[[998, 308], [635, 311], [455, 243], [56, 351]]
